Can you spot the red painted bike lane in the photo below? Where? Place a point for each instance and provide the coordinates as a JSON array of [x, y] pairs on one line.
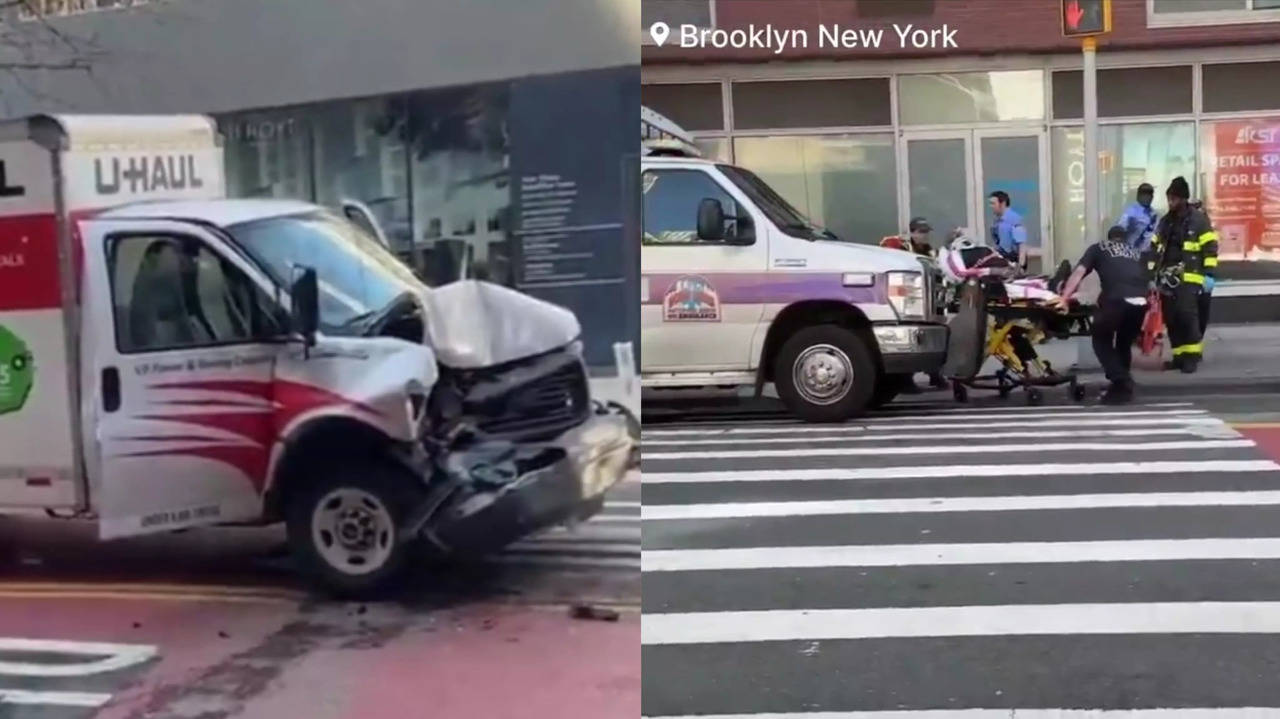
[[249, 658]]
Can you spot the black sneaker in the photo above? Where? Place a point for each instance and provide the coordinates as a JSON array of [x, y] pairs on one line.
[[1189, 365], [1118, 394], [1175, 363]]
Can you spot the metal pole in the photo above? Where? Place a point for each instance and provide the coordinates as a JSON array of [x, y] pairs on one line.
[[1092, 204]]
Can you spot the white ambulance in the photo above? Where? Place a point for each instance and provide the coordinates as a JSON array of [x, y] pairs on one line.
[[169, 359], [739, 288]]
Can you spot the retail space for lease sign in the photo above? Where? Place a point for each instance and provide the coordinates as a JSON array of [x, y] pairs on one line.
[[1242, 168]]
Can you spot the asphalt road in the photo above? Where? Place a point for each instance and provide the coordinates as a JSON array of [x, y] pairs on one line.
[[993, 557], [215, 623]]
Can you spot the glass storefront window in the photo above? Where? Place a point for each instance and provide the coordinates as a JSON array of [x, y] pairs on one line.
[[971, 97], [459, 155], [354, 161], [846, 183], [1128, 155], [715, 148], [268, 154], [1241, 161]]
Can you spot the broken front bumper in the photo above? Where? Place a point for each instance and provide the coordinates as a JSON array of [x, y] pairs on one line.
[[559, 482]]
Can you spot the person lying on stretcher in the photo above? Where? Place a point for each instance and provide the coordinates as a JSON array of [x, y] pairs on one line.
[[967, 260]]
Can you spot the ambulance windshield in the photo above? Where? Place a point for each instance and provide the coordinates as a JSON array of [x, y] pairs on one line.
[[358, 277]]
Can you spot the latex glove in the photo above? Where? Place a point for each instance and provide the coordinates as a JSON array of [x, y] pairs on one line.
[[1208, 284], [1061, 304]]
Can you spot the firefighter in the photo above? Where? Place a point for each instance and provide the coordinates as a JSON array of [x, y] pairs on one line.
[[1206, 297], [1185, 251]]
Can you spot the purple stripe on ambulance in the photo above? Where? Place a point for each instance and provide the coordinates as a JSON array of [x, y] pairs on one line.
[[742, 288]]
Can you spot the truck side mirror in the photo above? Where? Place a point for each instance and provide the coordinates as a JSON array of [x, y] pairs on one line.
[[710, 219], [305, 313]]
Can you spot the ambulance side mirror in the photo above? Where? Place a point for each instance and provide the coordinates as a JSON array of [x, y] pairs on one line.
[[305, 310], [711, 219]]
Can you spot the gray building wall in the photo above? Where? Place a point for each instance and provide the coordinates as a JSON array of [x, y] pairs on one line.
[[225, 55]]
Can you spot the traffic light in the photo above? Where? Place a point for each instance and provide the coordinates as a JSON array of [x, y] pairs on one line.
[[1082, 18]]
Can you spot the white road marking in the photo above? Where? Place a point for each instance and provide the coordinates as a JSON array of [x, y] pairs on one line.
[[66, 699], [1195, 429], [914, 505], [811, 429], [925, 407], [965, 420], [959, 449], [1182, 713], [903, 555], [962, 470], [112, 657], [969, 621]]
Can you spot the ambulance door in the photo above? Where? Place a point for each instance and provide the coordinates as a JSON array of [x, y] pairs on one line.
[[182, 376]]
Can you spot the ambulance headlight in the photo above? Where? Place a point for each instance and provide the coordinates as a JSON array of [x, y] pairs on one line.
[[906, 294]]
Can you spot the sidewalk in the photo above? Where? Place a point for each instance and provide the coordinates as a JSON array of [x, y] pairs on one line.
[[1237, 357]]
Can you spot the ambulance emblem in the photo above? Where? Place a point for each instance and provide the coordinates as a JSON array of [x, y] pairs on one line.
[[691, 299]]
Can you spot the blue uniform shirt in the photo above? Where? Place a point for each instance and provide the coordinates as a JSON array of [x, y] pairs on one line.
[[1007, 232], [1139, 224]]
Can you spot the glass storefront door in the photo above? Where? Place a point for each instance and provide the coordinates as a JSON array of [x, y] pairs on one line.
[[939, 181], [950, 174]]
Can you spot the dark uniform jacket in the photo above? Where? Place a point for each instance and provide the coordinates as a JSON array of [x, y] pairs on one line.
[[1186, 240]]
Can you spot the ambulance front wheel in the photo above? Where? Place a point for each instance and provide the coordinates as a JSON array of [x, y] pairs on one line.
[[825, 373], [345, 527]]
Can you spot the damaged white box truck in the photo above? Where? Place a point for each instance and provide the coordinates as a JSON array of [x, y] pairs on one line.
[[170, 358]]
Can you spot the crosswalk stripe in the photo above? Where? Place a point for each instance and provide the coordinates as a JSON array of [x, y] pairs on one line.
[[903, 555], [815, 429], [1196, 429], [66, 699], [958, 449], [928, 505], [942, 421], [1180, 713], [962, 470], [965, 621], [911, 407]]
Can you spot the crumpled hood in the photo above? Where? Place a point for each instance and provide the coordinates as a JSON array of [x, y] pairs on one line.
[[472, 324]]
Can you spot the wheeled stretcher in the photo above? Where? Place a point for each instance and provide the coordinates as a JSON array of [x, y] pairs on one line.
[[998, 314]]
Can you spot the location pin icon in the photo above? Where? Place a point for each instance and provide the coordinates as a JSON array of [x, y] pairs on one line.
[[659, 31]]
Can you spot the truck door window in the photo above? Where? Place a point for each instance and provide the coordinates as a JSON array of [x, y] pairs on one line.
[[173, 292], [671, 200]]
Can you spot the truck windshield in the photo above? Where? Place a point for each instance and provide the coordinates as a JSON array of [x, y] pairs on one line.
[[780, 212], [357, 276]]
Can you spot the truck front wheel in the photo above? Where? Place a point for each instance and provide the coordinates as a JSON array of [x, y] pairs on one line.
[[825, 373], [345, 527]]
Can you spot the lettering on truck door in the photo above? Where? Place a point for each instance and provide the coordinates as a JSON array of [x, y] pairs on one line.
[[184, 367], [700, 311]]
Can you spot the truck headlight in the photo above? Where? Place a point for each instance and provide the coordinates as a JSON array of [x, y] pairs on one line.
[[906, 294]]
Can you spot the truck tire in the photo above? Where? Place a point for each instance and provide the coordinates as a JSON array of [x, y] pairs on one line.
[[825, 373], [344, 527]]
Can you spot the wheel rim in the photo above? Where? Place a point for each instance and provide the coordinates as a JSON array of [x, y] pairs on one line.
[[353, 531], [823, 374]]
